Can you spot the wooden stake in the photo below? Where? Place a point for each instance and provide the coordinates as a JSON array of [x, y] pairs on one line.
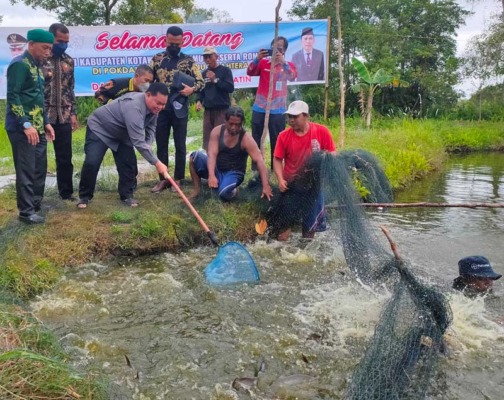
[[426, 205]]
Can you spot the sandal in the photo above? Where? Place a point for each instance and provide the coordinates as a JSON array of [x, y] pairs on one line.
[[82, 203], [130, 202]]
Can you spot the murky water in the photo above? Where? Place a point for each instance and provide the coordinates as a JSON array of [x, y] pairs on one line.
[[308, 321]]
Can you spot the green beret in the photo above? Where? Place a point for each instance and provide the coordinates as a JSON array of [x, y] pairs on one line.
[[40, 35]]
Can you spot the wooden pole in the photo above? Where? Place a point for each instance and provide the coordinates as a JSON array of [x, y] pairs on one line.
[[272, 74], [425, 204], [341, 141], [328, 50]]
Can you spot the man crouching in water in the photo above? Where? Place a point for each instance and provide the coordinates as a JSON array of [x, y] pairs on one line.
[[226, 162]]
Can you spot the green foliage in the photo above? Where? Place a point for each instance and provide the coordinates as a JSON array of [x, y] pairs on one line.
[[152, 11], [413, 39], [27, 280], [43, 377], [369, 86], [361, 189], [486, 104], [406, 149], [199, 15], [484, 55], [122, 217], [149, 226], [85, 105], [105, 12], [462, 136]]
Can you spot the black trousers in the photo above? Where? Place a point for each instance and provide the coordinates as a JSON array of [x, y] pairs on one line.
[[165, 122], [63, 151], [30, 163], [276, 124], [126, 164], [212, 117]]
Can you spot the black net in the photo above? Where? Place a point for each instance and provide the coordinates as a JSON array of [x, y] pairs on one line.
[[406, 345], [408, 339]]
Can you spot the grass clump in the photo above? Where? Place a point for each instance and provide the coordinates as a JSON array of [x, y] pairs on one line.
[[33, 365], [28, 375]]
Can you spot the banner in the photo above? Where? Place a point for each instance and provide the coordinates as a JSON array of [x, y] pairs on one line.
[[102, 53]]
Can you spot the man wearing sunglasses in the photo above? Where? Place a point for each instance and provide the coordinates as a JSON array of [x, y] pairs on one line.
[[215, 96]]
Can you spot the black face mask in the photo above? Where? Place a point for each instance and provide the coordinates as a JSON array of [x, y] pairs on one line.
[[173, 50]]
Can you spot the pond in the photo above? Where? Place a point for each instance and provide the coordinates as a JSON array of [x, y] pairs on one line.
[[159, 332]]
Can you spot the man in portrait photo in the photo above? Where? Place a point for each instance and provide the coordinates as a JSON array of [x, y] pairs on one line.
[[309, 62]]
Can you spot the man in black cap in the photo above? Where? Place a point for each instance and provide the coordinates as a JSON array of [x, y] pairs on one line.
[[60, 107], [309, 62], [476, 276], [167, 67], [27, 125], [215, 97]]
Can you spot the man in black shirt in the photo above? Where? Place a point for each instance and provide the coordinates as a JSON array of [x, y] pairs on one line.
[[228, 150], [180, 73], [215, 96], [115, 88]]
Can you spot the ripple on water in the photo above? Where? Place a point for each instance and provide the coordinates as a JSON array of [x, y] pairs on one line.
[[308, 318]]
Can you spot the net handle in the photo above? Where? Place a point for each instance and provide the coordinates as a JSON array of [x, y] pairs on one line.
[[205, 227]]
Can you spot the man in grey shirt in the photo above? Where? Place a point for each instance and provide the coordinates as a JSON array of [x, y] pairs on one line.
[[122, 125]]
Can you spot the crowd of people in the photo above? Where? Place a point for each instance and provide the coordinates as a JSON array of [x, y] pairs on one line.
[[135, 111], [150, 106]]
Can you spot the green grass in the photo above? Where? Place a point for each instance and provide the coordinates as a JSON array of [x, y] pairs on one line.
[[34, 366], [32, 259]]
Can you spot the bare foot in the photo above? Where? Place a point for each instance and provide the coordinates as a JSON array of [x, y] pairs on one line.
[[193, 194]]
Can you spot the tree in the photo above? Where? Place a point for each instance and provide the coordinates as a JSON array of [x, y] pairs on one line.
[[105, 12], [414, 39], [370, 85], [199, 15]]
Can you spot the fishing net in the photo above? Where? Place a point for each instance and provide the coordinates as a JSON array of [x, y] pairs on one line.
[[406, 345], [408, 339], [232, 265]]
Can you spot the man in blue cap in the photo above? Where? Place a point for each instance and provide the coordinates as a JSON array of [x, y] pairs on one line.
[[27, 125], [476, 276]]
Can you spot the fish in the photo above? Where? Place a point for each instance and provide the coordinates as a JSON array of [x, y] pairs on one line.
[[244, 383], [295, 380]]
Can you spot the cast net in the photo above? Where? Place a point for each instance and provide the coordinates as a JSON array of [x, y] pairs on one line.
[[408, 339]]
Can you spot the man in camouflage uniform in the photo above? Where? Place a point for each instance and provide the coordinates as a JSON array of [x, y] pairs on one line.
[[26, 123], [167, 67], [115, 88], [60, 107]]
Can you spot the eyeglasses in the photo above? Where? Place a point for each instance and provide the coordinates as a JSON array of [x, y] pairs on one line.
[[289, 116], [207, 55]]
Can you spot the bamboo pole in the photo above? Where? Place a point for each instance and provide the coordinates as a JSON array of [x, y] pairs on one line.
[[327, 65], [341, 141], [270, 88], [426, 205]]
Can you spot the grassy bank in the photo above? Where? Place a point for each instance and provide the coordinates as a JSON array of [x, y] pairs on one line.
[[33, 258]]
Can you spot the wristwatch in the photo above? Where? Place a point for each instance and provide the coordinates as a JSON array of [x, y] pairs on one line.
[[27, 125]]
